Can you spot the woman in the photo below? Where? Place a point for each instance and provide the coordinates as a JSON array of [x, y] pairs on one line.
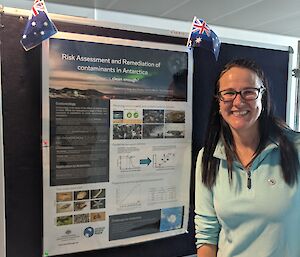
[[247, 194]]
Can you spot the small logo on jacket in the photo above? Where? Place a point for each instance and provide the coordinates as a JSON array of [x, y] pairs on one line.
[[272, 181]]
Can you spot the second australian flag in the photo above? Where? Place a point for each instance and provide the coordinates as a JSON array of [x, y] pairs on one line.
[[202, 36]]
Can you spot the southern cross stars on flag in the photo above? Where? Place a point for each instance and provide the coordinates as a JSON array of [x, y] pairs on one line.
[[202, 36], [39, 26]]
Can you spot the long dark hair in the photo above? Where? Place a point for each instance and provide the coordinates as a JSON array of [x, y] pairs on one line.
[[270, 128]]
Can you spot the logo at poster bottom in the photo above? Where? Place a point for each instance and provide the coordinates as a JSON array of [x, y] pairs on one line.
[[88, 232]]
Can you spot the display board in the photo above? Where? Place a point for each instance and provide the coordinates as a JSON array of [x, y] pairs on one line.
[[21, 77]]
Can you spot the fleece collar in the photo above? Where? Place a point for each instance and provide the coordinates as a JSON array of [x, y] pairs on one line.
[[272, 144]]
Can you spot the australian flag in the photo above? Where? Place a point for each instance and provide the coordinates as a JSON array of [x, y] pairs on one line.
[[202, 36], [39, 26]]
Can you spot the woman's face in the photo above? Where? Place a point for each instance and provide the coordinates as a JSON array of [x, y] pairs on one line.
[[240, 114]]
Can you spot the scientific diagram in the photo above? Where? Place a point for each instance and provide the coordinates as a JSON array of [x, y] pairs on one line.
[[159, 160], [128, 196]]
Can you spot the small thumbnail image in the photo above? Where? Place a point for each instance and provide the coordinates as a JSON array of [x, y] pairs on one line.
[[153, 116], [98, 204], [64, 197], [118, 115], [127, 131], [81, 205], [98, 193], [81, 195], [64, 220], [64, 207], [81, 218], [175, 116], [132, 114], [171, 218], [174, 130], [97, 216], [153, 131]]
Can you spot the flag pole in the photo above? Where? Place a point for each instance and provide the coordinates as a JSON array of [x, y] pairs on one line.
[[187, 43]]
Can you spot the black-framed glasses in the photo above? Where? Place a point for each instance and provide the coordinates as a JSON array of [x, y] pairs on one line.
[[247, 94]]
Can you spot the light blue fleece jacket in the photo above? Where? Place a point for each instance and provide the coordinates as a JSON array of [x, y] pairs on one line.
[[263, 221]]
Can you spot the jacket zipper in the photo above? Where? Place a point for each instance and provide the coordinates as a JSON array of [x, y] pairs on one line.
[[249, 184]]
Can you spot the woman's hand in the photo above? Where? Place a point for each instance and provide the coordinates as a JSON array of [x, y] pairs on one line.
[[207, 250]]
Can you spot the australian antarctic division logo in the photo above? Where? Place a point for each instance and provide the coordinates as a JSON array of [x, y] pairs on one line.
[[88, 232]]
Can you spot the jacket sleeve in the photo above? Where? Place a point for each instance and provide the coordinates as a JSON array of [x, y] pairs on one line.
[[207, 226]]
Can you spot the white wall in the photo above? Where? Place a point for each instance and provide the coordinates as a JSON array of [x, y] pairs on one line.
[[173, 26]]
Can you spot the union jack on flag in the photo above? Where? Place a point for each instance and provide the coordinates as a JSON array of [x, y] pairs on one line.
[[200, 26], [39, 26], [202, 36]]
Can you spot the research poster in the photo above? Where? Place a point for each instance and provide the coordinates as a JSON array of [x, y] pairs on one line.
[[117, 127]]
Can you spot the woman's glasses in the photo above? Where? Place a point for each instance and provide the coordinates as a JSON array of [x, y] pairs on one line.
[[247, 94]]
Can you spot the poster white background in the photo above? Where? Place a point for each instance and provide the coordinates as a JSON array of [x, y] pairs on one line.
[[146, 193]]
